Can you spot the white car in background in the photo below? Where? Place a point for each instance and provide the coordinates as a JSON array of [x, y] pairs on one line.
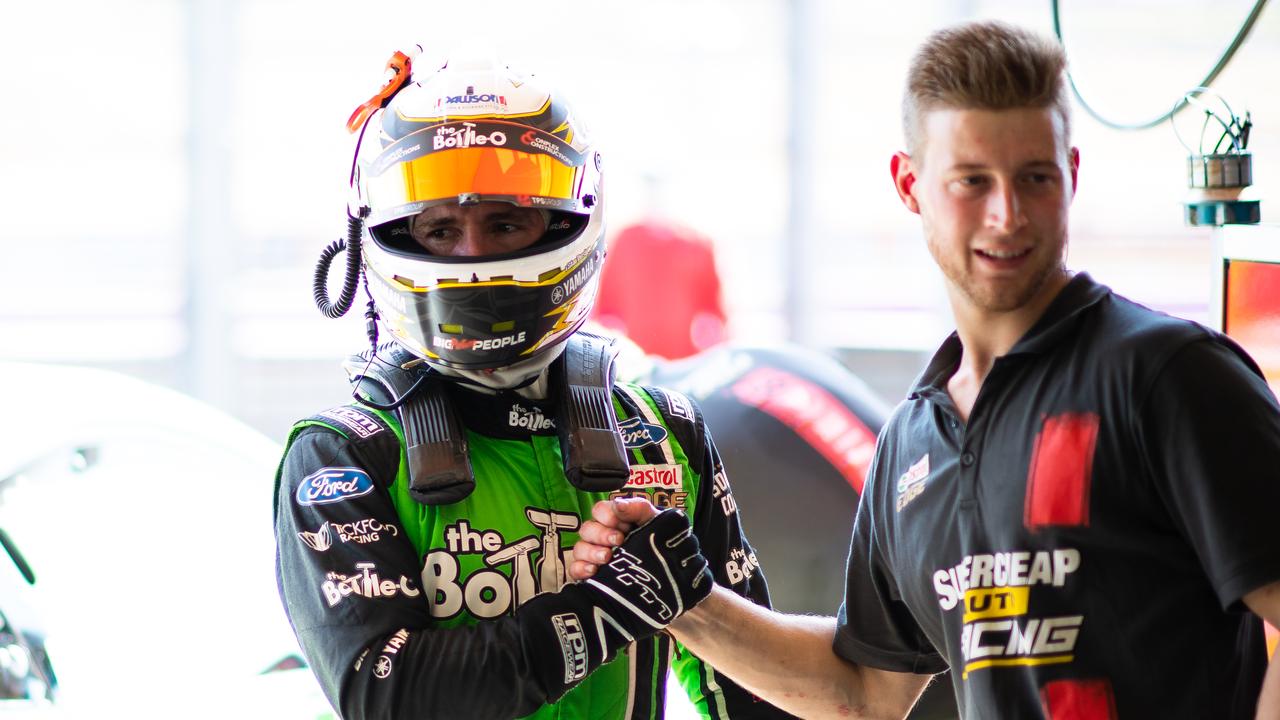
[[146, 518]]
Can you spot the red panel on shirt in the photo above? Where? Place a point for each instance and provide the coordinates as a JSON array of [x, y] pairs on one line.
[[1078, 700], [1061, 471]]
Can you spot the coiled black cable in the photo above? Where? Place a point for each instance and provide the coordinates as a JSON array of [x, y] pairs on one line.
[[1241, 33], [320, 288]]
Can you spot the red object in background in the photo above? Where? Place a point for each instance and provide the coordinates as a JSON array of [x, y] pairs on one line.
[[814, 414], [660, 288], [1251, 315]]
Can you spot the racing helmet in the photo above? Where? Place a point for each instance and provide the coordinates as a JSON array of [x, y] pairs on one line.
[[468, 132]]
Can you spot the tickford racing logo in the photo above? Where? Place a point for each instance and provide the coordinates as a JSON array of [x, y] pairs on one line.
[[361, 532], [994, 590]]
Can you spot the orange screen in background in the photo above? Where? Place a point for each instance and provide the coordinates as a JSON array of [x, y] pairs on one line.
[[1252, 313], [1252, 317]]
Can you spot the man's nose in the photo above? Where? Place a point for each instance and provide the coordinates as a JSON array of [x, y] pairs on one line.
[[475, 241], [1004, 209]]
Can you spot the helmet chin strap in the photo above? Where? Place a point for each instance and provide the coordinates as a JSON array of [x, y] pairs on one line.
[[527, 377]]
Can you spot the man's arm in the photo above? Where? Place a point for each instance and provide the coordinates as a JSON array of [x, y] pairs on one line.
[[1210, 428], [1265, 603], [785, 659], [788, 660], [718, 524]]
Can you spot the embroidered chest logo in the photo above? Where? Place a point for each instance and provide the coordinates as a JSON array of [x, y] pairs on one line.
[[662, 485], [530, 419], [912, 482], [637, 433], [490, 592]]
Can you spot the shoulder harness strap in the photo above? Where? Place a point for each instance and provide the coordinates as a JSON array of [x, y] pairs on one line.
[[594, 459], [435, 442], [440, 470]]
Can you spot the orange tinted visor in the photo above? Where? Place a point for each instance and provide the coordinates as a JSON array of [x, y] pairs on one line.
[[465, 158]]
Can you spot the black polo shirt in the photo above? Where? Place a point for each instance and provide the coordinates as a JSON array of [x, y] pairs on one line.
[[1079, 548]]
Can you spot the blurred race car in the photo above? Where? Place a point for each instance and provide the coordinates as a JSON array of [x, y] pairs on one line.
[[147, 515]]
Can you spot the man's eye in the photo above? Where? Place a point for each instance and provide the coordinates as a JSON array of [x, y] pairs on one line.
[[970, 183], [433, 234], [507, 228]]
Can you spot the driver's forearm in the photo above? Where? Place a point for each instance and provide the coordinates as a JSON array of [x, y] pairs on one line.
[[788, 661]]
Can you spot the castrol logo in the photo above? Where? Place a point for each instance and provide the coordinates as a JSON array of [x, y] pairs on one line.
[[665, 477]]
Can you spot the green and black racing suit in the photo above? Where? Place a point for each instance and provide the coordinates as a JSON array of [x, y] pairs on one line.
[[405, 610]]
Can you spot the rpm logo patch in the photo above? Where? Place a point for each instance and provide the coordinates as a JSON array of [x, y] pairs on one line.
[[573, 645]]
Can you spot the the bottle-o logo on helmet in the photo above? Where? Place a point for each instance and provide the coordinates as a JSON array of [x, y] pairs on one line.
[[465, 137]]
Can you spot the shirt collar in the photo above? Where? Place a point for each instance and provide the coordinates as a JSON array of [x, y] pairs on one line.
[[1079, 294]]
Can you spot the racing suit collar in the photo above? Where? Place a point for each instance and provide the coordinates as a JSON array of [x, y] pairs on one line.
[[513, 378]]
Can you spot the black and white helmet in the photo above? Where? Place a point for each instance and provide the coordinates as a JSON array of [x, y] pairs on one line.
[[470, 132]]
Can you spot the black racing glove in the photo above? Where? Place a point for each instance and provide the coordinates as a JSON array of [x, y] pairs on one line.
[[654, 577]]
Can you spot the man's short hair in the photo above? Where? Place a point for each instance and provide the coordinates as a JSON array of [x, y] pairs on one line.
[[984, 66]]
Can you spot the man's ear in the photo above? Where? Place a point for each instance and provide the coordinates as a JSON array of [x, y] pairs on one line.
[[904, 180], [1075, 169]]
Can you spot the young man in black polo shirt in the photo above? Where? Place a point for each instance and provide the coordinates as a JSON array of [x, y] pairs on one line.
[[1071, 508]]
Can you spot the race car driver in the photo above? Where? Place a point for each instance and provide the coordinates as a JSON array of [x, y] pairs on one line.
[[423, 532]]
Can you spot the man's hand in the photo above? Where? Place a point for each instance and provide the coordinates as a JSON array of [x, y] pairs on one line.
[[658, 572], [654, 575], [612, 520]]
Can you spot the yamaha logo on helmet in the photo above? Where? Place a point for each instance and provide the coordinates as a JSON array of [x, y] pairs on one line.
[[574, 282]]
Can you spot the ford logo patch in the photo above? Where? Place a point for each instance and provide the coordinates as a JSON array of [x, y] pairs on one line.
[[637, 433], [331, 485]]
